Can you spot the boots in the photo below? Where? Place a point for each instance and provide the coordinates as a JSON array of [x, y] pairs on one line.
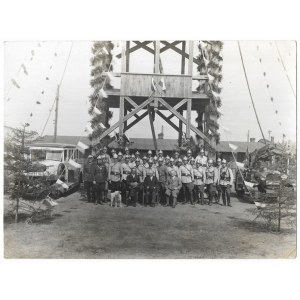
[[167, 201], [174, 202], [192, 198]]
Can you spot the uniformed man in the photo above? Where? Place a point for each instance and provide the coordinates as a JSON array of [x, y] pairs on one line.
[[115, 174], [140, 170], [176, 157], [187, 178], [162, 171], [127, 152], [106, 160], [149, 155], [145, 162], [211, 180], [161, 155], [219, 190], [134, 186], [138, 156], [113, 151], [202, 158], [172, 167], [189, 156], [132, 161], [120, 157], [173, 186], [152, 168], [106, 155], [167, 160], [125, 171], [99, 176], [199, 182], [192, 162], [155, 161], [150, 187], [87, 177], [226, 182]]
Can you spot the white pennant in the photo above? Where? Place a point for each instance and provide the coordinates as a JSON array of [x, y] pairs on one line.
[[61, 183], [162, 82], [206, 61], [249, 184], [240, 165], [153, 85], [89, 128], [82, 147], [211, 78], [97, 111], [233, 147], [103, 93], [74, 164], [105, 50]]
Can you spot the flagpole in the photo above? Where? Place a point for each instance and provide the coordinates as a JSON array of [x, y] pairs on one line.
[[56, 114]]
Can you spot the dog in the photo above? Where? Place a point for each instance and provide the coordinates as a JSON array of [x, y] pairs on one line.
[[116, 199]]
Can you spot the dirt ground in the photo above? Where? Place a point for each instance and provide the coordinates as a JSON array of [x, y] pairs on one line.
[[82, 230]]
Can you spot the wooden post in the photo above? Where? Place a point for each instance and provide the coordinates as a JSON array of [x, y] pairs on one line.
[[183, 58], [56, 114], [123, 69], [191, 57], [188, 118], [152, 128], [125, 113], [127, 55], [180, 129], [121, 115]]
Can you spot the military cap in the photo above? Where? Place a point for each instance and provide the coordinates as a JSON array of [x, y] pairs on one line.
[[150, 160], [189, 151], [179, 159], [137, 160], [160, 159], [219, 159], [192, 159], [202, 151], [132, 156], [144, 158], [90, 156], [127, 156], [168, 157], [115, 156], [185, 158], [160, 151], [126, 149], [104, 148], [149, 152], [120, 154], [210, 161], [113, 151], [155, 157], [176, 152], [172, 159], [99, 157], [137, 153]]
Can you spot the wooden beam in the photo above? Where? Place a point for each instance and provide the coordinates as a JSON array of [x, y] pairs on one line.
[[125, 113], [131, 102], [180, 129], [152, 128], [121, 114], [167, 120], [142, 116], [127, 55], [132, 113], [136, 47], [183, 58], [180, 117], [179, 51], [180, 104], [188, 118], [142, 45], [165, 48], [123, 66], [191, 57], [170, 116], [156, 57]]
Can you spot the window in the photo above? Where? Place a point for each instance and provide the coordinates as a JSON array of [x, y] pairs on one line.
[[54, 155]]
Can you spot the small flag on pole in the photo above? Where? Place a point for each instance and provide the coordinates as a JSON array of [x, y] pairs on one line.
[[249, 184], [206, 61], [61, 183], [162, 83], [74, 164], [89, 128], [102, 126], [82, 147], [97, 111], [105, 50], [153, 86], [211, 78], [233, 147], [240, 165], [103, 93]]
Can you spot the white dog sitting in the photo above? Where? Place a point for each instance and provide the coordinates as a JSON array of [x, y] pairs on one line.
[[116, 199]]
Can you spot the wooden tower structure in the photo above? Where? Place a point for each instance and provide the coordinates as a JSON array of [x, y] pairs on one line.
[[142, 94]]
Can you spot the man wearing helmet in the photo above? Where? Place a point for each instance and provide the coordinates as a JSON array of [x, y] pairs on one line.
[[160, 155], [149, 155], [219, 190], [189, 156], [131, 163], [176, 157], [125, 171], [87, 177], [172, 167], [115, 174], [134, 185], [202, 158], [226, 182], [162, 171], [145, 162], [106, 155], [211, 180], [99, 177], [138, 156], [155, 161], [127, 152], [187, 177], [199, 182], [152, 168]]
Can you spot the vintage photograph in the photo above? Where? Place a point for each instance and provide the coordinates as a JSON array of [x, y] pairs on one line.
[[158, 149]]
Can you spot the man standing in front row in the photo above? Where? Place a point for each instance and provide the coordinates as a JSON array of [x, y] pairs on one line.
[[211, 180], [187, 177], [173, 187], [150, 187], [226, 182], [87, 178]]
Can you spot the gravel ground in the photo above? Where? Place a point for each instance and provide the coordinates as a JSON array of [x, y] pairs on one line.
[[82, 230]]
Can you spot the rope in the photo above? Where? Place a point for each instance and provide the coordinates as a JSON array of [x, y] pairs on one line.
[[251, 93]]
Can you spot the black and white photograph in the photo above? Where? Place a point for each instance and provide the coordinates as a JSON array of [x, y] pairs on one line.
[[149, 149]]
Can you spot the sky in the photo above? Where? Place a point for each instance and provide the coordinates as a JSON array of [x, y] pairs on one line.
[[238, 114]]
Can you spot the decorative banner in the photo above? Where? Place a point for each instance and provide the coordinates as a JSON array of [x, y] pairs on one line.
[[215, 94], [206, 61], [162, 83], [240, 165], [97, 111], [24, 69], [74, 164], [103, 93], [88, 128], [105, 50], [82, 147], [153, 86], [249, 184], [102, 126], [15, 83], [211, 78], [233, 147], [61, 183]]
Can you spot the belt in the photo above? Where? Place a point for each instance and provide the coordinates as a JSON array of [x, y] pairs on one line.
[[126, 172], [198, 177], [184, 174], [115, 173]]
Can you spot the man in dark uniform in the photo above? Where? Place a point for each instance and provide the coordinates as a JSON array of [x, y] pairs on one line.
[[211, 180], [87, 177], [125, 171], [115, 174], [226, 182], [173, 187], [150, 187], [162, 171], [99, 176], [133, 182]]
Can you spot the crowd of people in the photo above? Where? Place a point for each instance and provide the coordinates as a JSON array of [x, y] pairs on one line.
[[156, 178]]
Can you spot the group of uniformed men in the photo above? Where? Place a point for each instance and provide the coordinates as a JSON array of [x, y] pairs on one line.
[[157, 177]]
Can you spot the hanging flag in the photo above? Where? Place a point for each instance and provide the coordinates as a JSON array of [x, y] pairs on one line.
[[82, 147], [24, 69], [61, 183], [153, 86], [103, 93], [15, 83], [211, 78], [38, 102], [162, 84], [206, 61], [240, 165], [105, 50], [102, 126], [233, 147], [89, 128], [215, 94], [74, 164], [97, 111], [249, 184]]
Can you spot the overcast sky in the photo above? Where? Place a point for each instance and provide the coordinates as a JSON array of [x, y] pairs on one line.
[[236, 105]]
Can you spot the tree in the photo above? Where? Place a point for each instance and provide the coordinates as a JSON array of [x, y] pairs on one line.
[[101, 63], [211, 51]]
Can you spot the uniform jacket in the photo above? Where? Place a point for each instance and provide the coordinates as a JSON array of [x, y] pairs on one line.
[[115, 171], [199, 176], [173, 183], [140, 171], [202, 160], [162, 173], [154, 170], [125, 170], [87, 171], [226, 176], [148, 182], [99, 173], [186, 173], [211, 175], [173, 168], [131, 179], [145, 165]]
